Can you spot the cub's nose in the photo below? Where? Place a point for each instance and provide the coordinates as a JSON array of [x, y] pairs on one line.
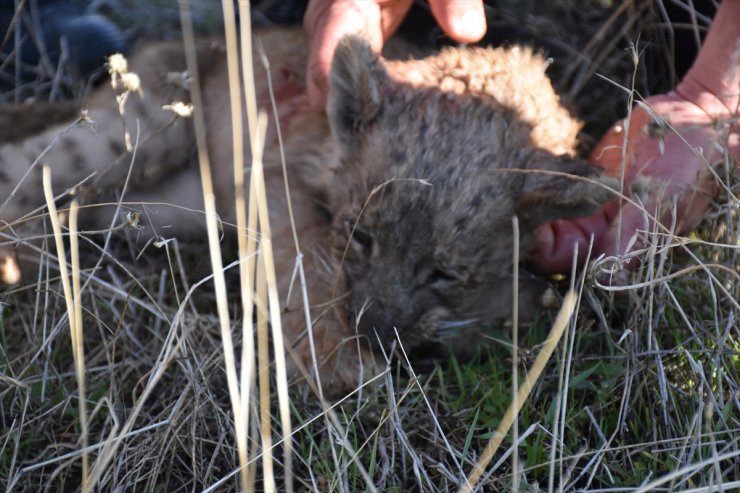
[[375, 323]]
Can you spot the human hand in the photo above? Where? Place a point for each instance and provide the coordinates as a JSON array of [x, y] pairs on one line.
[[327, 21], [675, 158]]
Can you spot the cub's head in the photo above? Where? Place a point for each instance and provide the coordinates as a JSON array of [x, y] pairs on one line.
[[427, 186]]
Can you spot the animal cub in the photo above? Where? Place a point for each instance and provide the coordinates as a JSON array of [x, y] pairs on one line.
[[403, 190]]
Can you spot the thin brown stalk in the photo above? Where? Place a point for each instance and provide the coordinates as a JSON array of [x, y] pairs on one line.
[[245, 275], [515, 356], [74, 308], [257, 187], [263, 349], [249, 253], [77, 339], [561, 322], [209, 202], [267, 258]]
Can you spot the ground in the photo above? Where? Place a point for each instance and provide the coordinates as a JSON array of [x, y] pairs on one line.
[[642, 393]]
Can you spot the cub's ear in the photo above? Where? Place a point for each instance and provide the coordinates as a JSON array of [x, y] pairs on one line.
[[562, 187], [354, 95]]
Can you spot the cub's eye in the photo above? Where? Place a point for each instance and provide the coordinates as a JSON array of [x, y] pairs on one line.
[[359, 236], [362, 238], [439, 276]]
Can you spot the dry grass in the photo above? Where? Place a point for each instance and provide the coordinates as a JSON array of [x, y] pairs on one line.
[[642, 395]]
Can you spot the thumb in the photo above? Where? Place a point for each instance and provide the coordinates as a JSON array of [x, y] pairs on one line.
[[326, 22]]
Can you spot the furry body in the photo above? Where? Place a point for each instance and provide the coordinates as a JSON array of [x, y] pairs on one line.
[[404, 191]]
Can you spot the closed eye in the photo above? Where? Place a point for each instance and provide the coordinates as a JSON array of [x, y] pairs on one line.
[[439, 276], [361, 239]]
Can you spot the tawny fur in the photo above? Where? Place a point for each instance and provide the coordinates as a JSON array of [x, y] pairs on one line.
[[403, 196]]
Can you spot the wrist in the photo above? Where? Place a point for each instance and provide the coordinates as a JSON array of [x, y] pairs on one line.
[[717, 100], [721, 112], [713, 82]]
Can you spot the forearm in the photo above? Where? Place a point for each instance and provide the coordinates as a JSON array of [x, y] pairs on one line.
[[713, 82]]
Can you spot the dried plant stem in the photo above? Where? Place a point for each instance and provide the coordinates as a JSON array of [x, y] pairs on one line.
[[246, 268], [267, 259], [263, 349], [515, 356], [209, 202], [561, 322], [74, 308], [257, 131], [77, 339]]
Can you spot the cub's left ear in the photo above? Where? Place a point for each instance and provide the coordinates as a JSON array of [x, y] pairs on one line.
[[354, 89], [562, 187]]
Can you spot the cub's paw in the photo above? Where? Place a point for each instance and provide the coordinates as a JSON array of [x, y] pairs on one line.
[[345, 361]]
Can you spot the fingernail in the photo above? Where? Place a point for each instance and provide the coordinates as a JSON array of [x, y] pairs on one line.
[[470, 26]]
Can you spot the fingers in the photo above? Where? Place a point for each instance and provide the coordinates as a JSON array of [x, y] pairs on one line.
[[609, 152], [674, 162], [462, 20], [556, 241], [327, 21], [392, 13], [619, 238]]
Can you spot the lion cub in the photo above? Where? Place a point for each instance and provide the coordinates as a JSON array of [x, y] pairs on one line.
[[404, 190]]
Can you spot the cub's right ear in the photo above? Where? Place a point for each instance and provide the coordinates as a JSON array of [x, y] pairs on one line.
[[562, 187], [354, 89]]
